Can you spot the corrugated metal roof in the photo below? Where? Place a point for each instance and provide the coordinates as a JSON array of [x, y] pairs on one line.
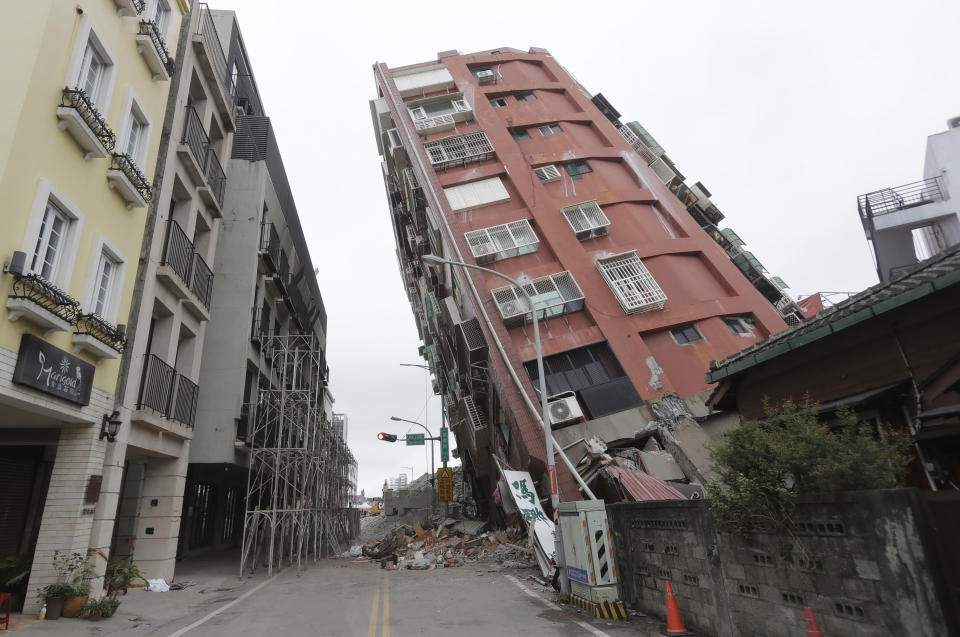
[[936, 273], [642, 487]]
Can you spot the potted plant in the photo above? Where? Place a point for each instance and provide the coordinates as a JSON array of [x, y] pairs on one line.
[[122, 574], [73, 569], [108, 606], [94, 609], [54, 595]]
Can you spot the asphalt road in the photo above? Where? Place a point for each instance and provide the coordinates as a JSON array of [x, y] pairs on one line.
[[342, 598]]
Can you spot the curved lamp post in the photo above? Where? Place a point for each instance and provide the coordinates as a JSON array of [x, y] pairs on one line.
[[544, 414]]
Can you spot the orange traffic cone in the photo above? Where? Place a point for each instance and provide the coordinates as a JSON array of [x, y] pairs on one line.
[[813, 628], [675, 627]]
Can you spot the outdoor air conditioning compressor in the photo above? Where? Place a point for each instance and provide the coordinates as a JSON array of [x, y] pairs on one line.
[[588, 550]]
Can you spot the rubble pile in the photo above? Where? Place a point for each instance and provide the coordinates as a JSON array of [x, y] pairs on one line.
[[461, 492], [449, 544]]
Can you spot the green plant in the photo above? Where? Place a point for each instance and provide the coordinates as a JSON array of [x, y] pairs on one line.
[[764, 466], [562, 598], [108, 606], [57, 589], [120, 575], [95, 607]]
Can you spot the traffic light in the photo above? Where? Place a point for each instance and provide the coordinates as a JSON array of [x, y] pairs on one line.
[[387, 437]]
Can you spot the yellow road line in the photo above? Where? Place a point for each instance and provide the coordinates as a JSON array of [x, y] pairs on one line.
[[372, 631], [386, 607]]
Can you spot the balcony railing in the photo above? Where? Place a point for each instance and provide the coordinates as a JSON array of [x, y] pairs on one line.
[[32, 287], [202, 281], [98, 328], [125, 164], [207, 31], [438, 121], [78, 100], [149, 28], [459, 149], [178, 251], [185, 401], [216, 178], [888, 200], [169, 394], [270, 245], [195, 137], [631, 138]]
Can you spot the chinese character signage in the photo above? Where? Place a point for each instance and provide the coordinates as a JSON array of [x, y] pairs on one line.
[[53, 371], [525, 495], [444, 444]]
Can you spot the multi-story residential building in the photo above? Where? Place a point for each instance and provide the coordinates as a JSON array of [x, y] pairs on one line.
[[909, 223], [265, 298], [399, 482], [160, 384], [697, 200], [501, 159], [85, 88]]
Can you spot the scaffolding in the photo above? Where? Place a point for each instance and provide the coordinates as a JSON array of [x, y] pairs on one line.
[[301, 472]]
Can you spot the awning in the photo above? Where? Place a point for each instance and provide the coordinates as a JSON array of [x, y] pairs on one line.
[[642, 487]]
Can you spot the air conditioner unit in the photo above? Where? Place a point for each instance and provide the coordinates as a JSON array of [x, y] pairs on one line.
[[487, 76], [511, 308], [564, 408]]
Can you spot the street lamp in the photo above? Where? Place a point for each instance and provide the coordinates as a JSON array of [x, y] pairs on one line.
[[544, 414], [433, 486]]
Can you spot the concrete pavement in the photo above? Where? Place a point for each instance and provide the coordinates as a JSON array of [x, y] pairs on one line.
[[343, 598]]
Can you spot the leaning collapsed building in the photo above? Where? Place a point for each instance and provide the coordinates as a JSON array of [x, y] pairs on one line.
[[502, 159]]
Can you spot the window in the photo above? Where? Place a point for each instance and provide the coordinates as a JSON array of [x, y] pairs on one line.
[[738, 326], [161, 17], [503, 241], [526, 96], [498, 102], [547, 173], [586, 219], [91, 72], [552, 295], [133, 136], [576, 169], [631, 282], [519, 134], [476, 193], [50, 242], [550, 129], [104, 282], [687, 335]]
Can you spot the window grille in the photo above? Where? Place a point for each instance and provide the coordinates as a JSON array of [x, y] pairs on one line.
[[663, 171], [473, 414], [503, 241], [586, 219], [552, 295], [458, 149], [631, 282], [627, 133], [547, 173]]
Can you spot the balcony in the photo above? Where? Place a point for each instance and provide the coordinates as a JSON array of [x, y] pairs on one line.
[[900, 198], [552, 295], [438, 114], [151, 46], [244, 435], [185, 272], [79, 116], [458, 150], [98, 337], [40, 302], [130, 8], [502, 242], [270, 249], [165, 395], [125, 178], [631, 138], [201, 162], [207, 46]]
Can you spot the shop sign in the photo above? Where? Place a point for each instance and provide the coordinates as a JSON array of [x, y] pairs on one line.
[[53, 371]]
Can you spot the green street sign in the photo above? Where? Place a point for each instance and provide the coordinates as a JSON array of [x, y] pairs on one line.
[[414, 440], [444, 444]]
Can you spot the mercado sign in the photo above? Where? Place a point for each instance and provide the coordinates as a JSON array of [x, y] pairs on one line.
[[53, 371]]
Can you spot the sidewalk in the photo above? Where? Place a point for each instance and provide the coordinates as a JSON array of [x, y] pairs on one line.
[[214, 581]]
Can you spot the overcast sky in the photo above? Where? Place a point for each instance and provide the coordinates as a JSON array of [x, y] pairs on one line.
[[785, 115]]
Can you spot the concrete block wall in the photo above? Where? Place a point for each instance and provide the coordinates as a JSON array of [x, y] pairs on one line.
[[860, 560]]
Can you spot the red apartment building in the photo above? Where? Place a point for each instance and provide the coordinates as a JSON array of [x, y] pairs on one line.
[[502, 159]]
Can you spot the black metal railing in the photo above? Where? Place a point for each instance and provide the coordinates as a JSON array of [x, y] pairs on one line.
[[149, 27], [247, 96], [887, 200], [178, 251], [139, 5], [156, 386], [195, 137], [78, 100], [216, 178], [125, 164], [33, 287], [202, 283], [270, 245], [99, 328], [185, 401], [283, 272], [244, 428], [207, 31]]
